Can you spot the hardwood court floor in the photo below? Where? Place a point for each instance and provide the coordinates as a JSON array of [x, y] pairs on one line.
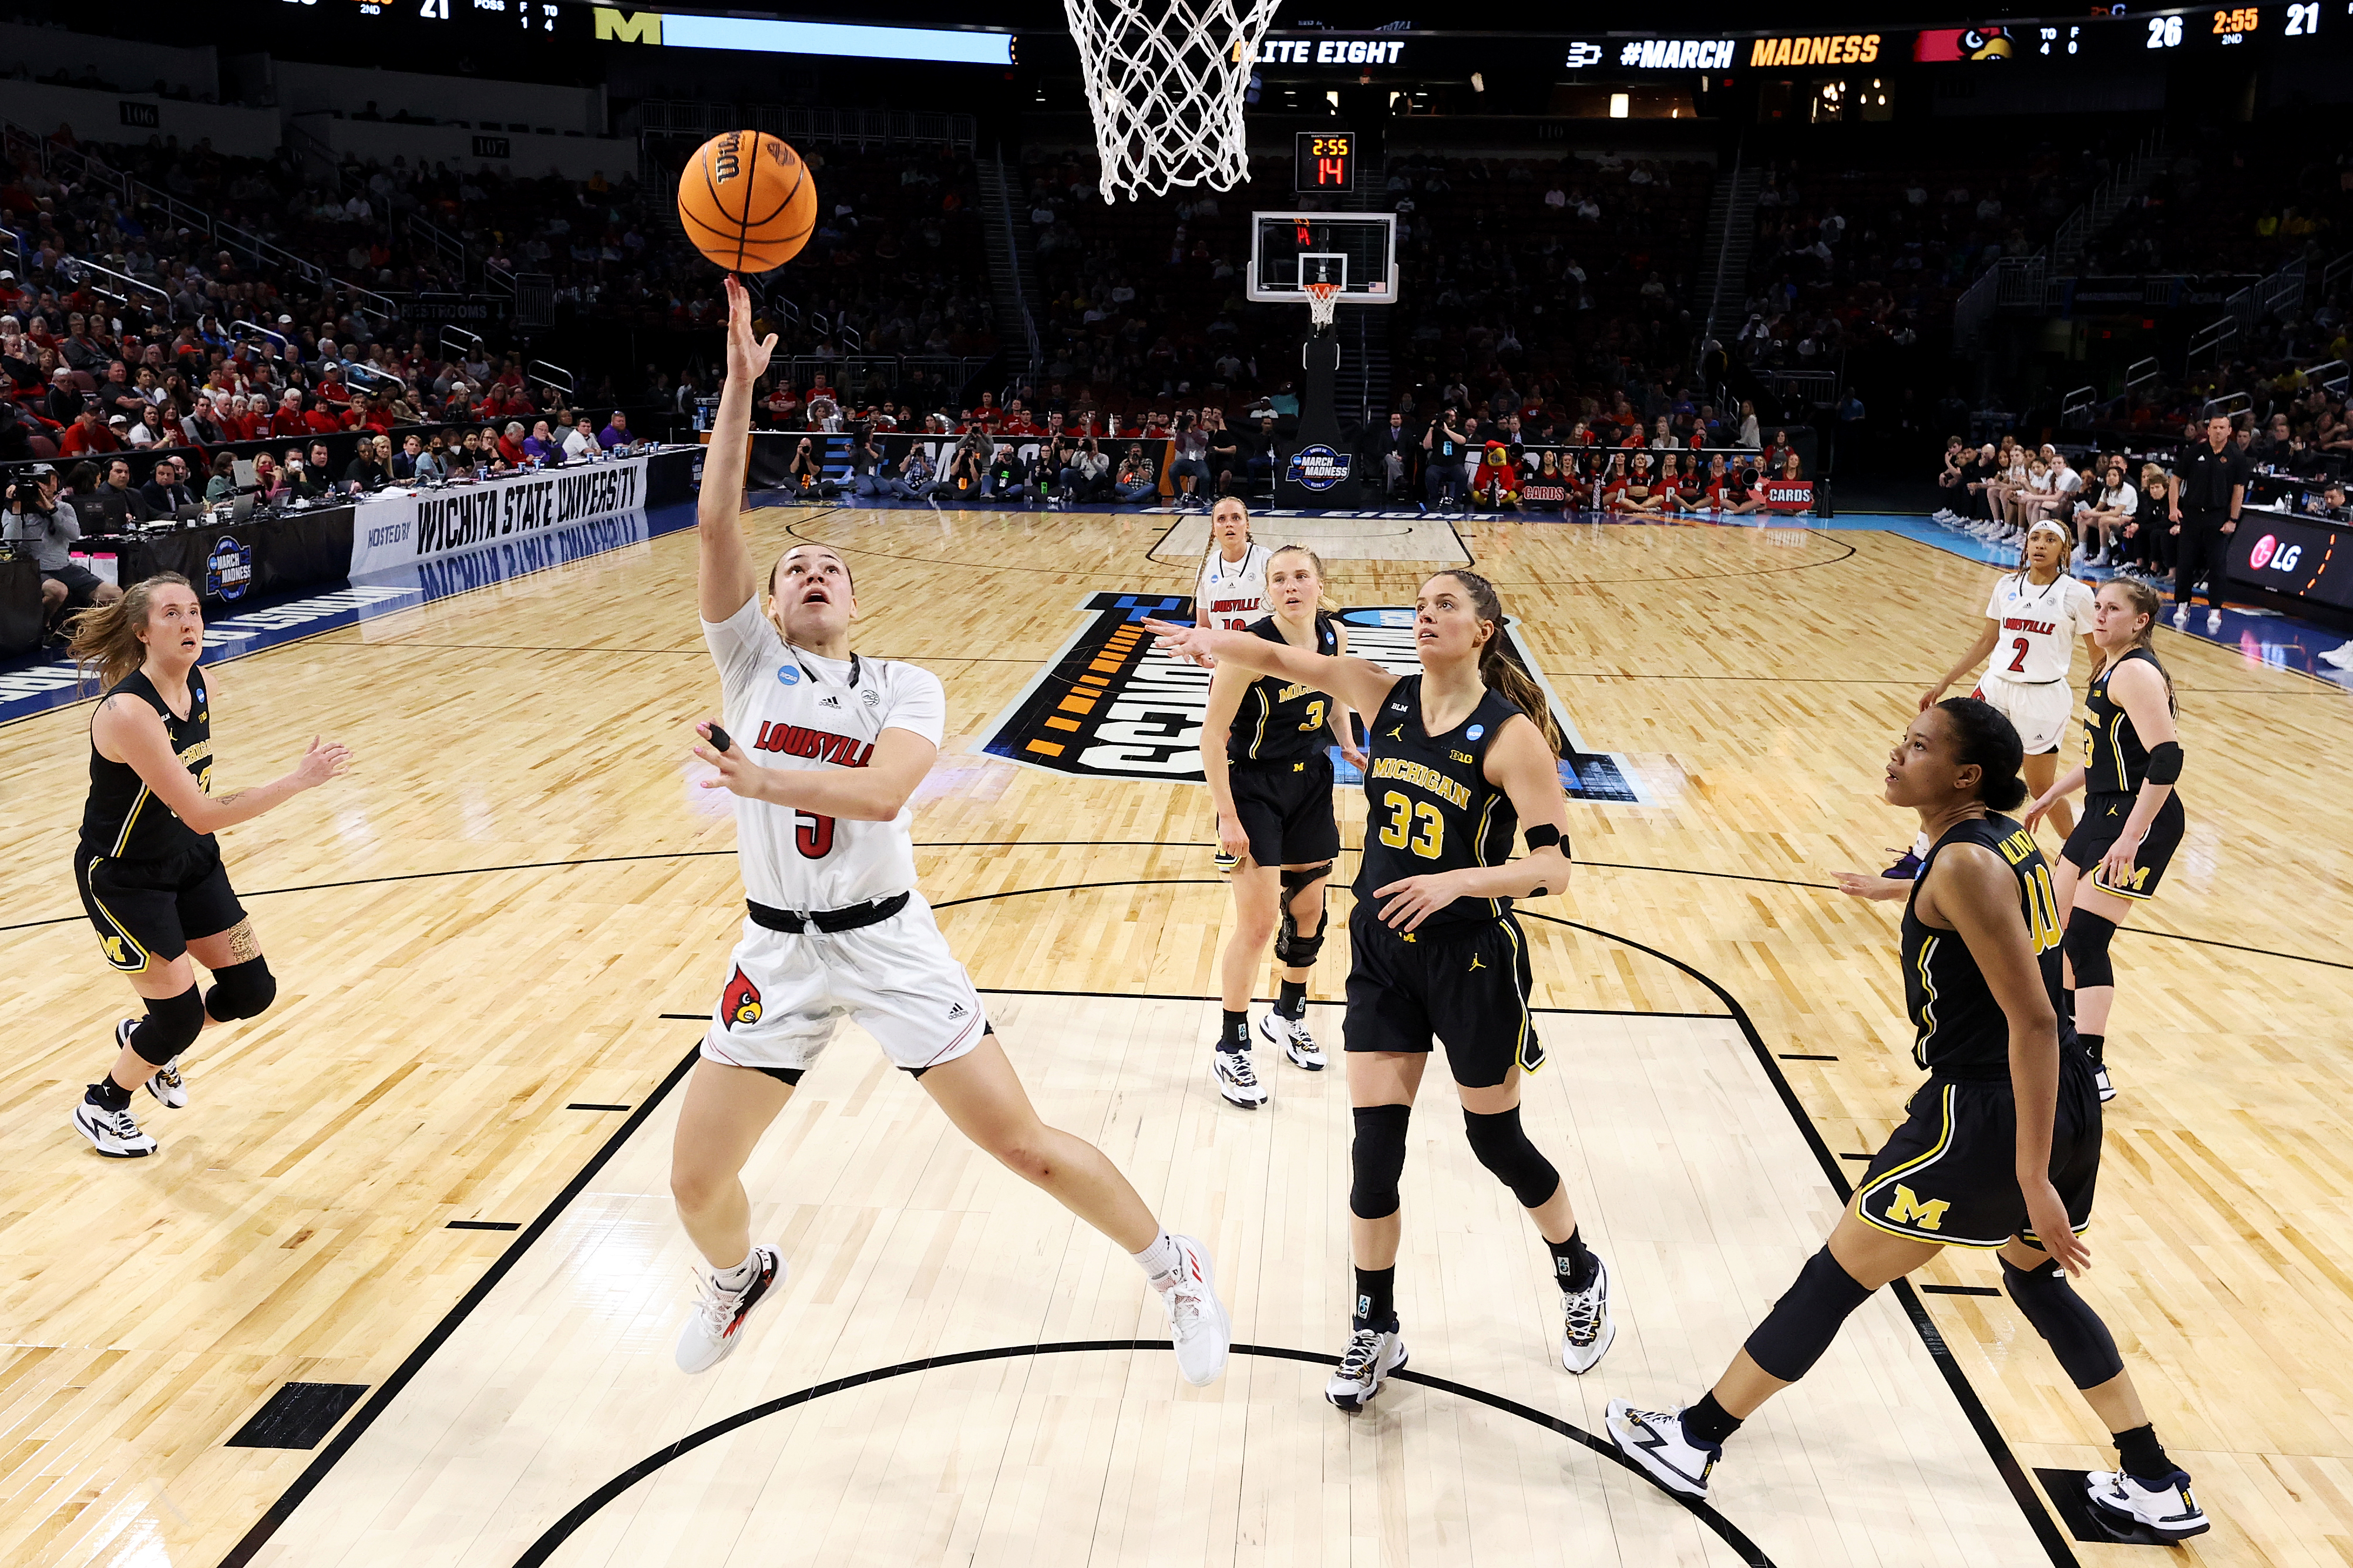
[[478, 931]]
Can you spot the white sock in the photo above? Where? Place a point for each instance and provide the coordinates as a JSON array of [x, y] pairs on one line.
[[1161, 1261], [735, 1278]]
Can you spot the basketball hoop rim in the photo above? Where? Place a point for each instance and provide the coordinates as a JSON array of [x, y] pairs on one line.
[[1323, 301]]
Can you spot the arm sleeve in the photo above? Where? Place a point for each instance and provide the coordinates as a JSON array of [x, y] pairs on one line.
[[742, 646], [917, 703]]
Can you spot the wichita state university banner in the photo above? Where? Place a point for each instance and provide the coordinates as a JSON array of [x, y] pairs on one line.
[[1110, 705]]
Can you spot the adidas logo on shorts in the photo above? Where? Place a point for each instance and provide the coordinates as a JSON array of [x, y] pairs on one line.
[[956, 1009]]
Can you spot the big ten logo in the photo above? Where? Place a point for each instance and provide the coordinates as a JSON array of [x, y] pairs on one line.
[[2269, 552]]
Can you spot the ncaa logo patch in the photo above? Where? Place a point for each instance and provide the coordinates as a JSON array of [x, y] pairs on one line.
[[1473, 732], [788, 675]]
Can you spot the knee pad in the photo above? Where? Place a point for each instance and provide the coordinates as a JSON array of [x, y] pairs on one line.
[[1503, 1147], [2087, 946], [171, 1027], [1377, 1158], [2046, 1297], [1294, 950], [1806, 1319], [241, 990]]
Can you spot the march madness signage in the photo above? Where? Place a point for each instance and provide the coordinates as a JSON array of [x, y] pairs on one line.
[[1111, 705]]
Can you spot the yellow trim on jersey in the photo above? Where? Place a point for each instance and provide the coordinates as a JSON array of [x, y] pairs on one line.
[[112, 919], [129, 819], [1927, 1027], [2116, 744], [1478, 846], [1520, 1045], [1258, 739], [1943, 1145]]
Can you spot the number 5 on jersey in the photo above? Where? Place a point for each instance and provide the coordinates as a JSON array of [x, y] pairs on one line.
[[1411, 825], [813, 835]]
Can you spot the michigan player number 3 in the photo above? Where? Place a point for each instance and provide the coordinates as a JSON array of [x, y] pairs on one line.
[[1411, 827]]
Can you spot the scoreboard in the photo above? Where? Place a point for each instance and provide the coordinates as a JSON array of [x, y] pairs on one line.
[[1325, 163]]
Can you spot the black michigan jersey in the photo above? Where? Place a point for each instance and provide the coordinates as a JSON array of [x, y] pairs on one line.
[[1963, 1034], [1282, 721], [2114, 758], [122, 820], [1430, 808]]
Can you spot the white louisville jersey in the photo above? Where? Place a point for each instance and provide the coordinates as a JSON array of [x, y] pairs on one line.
[[793, 710], [1232, 593], [2036, 627]]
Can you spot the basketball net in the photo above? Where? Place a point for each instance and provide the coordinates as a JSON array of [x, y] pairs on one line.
[[1164, 80], [1323, 301]]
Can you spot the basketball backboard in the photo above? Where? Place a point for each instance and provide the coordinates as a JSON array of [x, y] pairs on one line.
[[1356, 251]]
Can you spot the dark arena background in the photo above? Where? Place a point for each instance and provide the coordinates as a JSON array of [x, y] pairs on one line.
[[1739, 348]]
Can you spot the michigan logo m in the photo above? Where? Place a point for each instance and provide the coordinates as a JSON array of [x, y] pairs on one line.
[[623, 27], [1908, 1210]]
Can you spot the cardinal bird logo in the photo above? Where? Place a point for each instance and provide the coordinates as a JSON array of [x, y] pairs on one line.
[[741, 1004]]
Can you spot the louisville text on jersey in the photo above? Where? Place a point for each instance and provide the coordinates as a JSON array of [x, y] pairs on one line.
[[821, 745], [1110, 705]]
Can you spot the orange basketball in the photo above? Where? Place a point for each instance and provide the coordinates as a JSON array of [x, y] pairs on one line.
[[747, 200]]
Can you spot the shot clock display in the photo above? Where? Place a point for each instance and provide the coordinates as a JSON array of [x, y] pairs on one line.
[[1326, 163]]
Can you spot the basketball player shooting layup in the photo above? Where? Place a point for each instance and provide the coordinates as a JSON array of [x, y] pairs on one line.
[[822, 750]]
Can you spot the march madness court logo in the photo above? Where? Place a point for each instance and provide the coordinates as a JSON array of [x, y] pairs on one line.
[[1110, 705]]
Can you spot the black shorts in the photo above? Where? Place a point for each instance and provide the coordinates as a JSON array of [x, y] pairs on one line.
[[150, 909], [2095, 833], [1949, 1174], [81, 584], [1286, 809], [1466, 982]]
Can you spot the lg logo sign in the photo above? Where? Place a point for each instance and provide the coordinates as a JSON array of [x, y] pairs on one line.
[[2270, 552]]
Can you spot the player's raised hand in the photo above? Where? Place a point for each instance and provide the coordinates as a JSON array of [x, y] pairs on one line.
[[738, 773], [747, 356], [1183, 642], [325, 759]]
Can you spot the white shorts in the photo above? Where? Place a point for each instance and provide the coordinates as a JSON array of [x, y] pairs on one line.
[[787, 992], [2042, 713]]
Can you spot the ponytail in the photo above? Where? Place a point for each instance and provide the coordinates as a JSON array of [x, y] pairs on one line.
[[1984, 736], [106, 636], [1499, 671]]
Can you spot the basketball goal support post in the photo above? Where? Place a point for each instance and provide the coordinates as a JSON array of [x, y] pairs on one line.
[[1314, 469]]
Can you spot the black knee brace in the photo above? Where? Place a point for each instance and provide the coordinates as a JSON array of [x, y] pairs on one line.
[[170, 1026], [1378, 1156], [1505, 1149], [1294, 950], [241, 990], [1806, 1319], [2046, 1297], [2087, 946]]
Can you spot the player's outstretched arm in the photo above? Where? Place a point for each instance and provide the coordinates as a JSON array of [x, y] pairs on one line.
[[724, 576], [1987, 637], [872, 792], [127, 730], [1359, 682]]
